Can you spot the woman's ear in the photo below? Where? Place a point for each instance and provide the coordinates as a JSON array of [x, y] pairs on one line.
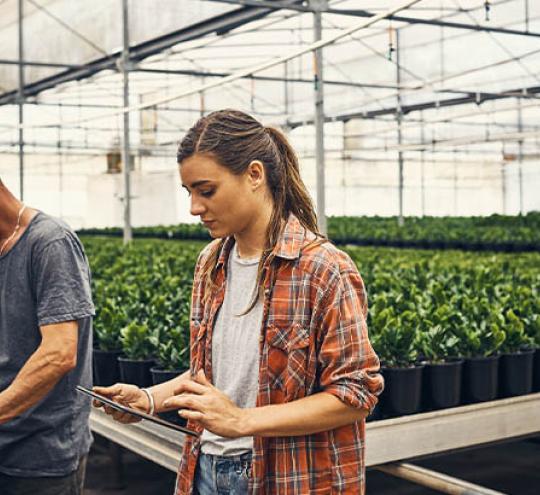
[[256, 174]]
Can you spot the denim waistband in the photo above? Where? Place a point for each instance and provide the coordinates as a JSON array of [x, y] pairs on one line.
[[245, 457], [223, 475]]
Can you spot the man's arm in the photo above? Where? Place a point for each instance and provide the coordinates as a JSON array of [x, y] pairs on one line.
[[55, 356]]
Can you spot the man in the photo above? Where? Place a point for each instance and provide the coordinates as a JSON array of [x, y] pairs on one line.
[[45, 351]]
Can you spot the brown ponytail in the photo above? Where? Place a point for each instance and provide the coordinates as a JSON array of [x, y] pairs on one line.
[[297, 199], [235, 139]]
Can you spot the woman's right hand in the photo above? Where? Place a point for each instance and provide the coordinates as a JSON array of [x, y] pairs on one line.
[[125, 394]]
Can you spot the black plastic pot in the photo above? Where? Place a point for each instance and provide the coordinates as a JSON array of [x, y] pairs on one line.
[[516, 373], [106, 369], [402, 392], [536, 371], [160, 375], [136, 371], [376, 414], [480, 379], [442, 384]]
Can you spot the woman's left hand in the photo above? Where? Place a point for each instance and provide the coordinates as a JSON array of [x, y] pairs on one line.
[[198, 400]]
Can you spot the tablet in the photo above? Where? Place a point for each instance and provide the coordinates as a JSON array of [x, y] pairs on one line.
[[134, 412]]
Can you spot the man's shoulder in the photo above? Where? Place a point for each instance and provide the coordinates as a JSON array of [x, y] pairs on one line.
[[45, 229]]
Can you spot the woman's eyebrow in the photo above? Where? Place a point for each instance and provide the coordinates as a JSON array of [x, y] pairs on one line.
[[196, 184]]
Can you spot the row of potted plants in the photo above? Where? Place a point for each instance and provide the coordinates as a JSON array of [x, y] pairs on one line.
[[460, 318], [495, 232], [492, 233], [432, 365], [456, 327], [142, 295]]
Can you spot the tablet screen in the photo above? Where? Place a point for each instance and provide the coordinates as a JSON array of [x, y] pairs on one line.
[[135, 412]]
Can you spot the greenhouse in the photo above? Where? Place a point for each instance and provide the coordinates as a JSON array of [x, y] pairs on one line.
[[360, 180]]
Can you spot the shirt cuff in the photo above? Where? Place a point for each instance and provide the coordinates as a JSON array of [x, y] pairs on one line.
[[354, 395]]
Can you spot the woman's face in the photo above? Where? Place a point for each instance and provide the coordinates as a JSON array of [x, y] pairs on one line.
[[227, 204]]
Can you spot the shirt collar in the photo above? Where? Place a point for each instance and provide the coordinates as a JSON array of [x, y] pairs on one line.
[[291, 239], [288, 246]]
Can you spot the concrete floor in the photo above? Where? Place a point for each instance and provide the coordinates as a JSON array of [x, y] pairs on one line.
[[512, 468]]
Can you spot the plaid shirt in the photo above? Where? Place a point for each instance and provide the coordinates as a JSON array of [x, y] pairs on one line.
[[313, 338]]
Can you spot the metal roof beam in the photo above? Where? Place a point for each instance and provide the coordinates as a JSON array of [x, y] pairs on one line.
[[477, 98], [39, 64], [219, 25], [196, 73], [199, 73], [398, 18]]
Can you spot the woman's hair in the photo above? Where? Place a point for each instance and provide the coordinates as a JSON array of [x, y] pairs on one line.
[[235, 139]]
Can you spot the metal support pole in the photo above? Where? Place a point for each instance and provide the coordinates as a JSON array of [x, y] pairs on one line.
[[286, 88], [437, 481], [21, 102], [125, 148], [503, 187], [441, 53], [527, 16], [318, 5], [60, 173], [202, 104], [422, 167], [520, 157], [455, 183], [399, 118]]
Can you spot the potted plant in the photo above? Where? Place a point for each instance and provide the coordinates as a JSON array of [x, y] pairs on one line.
[[172, 356], [516, 368], [108, 348], [169, 315], [438, 344], [393, 341], [480, 338], [172, 360], [139, 345], [533, 330]]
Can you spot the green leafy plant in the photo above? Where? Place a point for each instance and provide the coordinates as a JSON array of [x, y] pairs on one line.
[[437, 344], [516, 338], [173, 351], [138, 341], [482, 333], [107, 326], [394, 338], [467, 294], [494, 232], [532, 327]]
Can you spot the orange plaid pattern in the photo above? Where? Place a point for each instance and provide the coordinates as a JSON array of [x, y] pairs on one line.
[[314, 338]]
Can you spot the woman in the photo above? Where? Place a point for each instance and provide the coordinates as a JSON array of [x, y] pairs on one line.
[[282, 371]]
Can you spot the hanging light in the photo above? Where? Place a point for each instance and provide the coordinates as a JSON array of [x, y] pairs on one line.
[[487, 8], [391, 45]]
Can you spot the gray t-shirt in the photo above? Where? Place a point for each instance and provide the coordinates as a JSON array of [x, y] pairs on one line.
[[45, 279], [235, 350]]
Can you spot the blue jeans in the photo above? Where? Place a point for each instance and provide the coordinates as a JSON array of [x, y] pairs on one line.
[[216, 475]]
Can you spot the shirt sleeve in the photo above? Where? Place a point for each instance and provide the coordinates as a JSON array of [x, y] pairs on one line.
[[62, 282], [348, 365]]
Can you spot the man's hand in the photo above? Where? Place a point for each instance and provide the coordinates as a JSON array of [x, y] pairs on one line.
[[198, 400], [125, 394]]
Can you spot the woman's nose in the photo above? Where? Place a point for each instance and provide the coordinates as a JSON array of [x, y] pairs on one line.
[[196, 207]]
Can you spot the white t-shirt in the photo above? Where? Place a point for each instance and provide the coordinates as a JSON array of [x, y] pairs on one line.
[[235, 349]]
